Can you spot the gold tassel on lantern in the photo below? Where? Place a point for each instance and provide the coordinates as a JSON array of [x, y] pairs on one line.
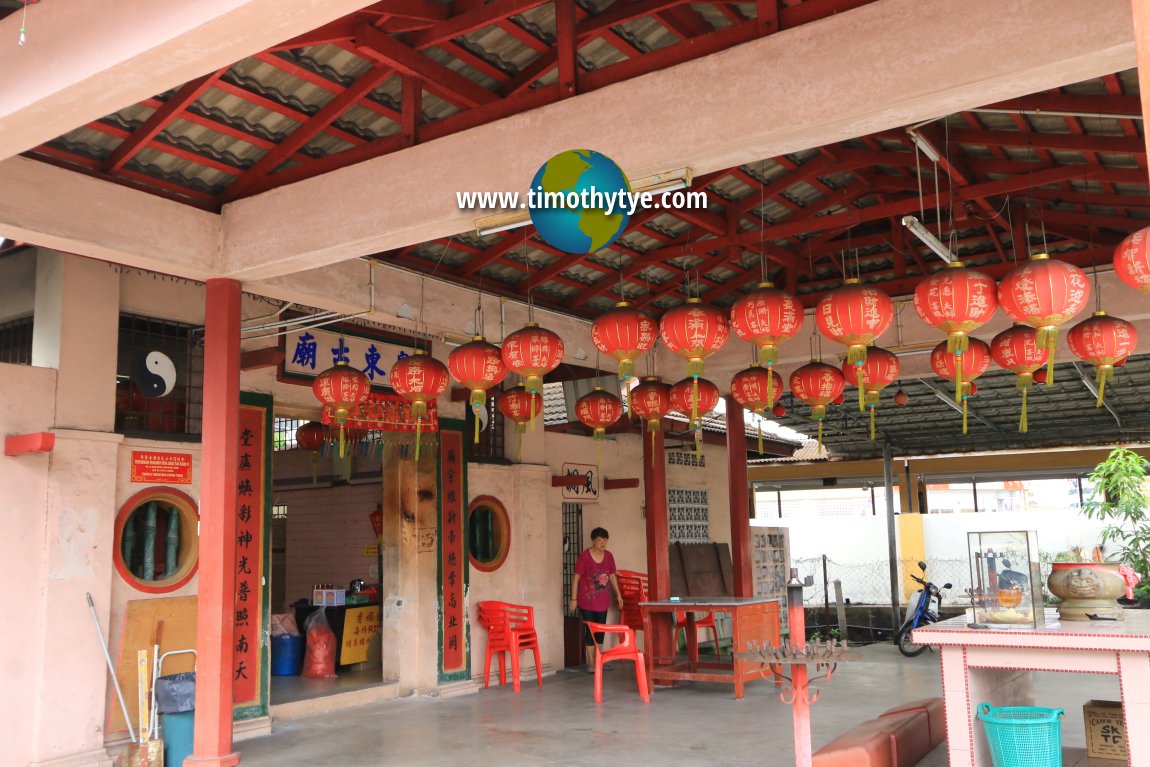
[[1104, 374], [531, 410], [958, 376], [872, 423], [818, 413], [859, 383], [771, 378], [856, 354], [699, 441], [478, 400], [695, 401], [1047, 338], [964, 408], [1023, 384], [418, 412]]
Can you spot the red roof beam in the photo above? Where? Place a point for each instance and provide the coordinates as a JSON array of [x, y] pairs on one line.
[[444, 82], [159, 120], [311, 128]]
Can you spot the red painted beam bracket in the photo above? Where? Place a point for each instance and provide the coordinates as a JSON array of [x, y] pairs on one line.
[[620, 484], [23, 444]]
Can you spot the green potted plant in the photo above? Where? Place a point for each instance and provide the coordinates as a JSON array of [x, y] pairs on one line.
[[1118, 499]]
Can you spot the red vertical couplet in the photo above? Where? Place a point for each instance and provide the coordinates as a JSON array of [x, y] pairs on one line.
[[451, 565], [739, 495], [217, 571], [250, 501]]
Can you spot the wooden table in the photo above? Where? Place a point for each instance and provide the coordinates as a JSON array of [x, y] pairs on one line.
[[995, 666], [753, 620]]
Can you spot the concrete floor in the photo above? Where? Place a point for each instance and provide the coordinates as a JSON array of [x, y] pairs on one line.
[[698, 724]]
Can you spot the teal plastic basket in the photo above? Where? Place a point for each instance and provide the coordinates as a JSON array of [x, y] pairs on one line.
[[1023, 736]]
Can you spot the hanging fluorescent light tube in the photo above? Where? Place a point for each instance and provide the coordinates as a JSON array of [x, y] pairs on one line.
[[923, 145], [669, 181], [502, 222], [928, 239]]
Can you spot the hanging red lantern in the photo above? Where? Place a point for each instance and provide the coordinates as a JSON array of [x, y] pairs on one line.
[[478, 365], [342, 387], [1104, 342], [695, 331], [957, 302], [694, 398], [976, 359], [766, 317], [881, 369], [625, 334], [854, 315], [311, 437], [1017, 350], [757, 389], [778, 411], [651, 400], [1132, 260], [1044, 293], [817, 384], [517, 405], [901, 398], [419, 378], [598, 410], [839, 400], [532, 352]]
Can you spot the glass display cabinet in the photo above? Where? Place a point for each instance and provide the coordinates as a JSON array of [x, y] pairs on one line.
[[1006, 579]]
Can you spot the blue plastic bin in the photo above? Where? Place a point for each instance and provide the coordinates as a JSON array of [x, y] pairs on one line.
[[1023, 736], [178, 731], [287, 655]]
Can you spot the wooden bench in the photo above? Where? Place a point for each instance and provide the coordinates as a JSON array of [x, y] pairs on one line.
[[900, 737]]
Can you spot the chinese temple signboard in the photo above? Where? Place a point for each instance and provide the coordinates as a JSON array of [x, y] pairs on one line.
[[153, 467], [310, 351]]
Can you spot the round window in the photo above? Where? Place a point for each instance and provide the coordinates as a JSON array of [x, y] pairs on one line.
[[157, 542], [488, 533]]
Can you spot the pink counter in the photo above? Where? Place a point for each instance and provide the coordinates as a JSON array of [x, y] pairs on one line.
[[995, 665]]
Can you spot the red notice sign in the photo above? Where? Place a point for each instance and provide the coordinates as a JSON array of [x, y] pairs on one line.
[[151, 467]]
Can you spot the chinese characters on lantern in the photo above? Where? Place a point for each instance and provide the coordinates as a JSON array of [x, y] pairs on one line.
[[246, 655], [453, 556]]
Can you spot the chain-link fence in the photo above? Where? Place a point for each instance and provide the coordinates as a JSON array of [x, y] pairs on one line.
[[868, 583]]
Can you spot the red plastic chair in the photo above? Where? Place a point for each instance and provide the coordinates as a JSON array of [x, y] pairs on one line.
[[627, 649], [707, 622], [633, 587], [511, 630]]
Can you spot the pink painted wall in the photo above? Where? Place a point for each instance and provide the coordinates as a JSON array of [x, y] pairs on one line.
[[24, 408]]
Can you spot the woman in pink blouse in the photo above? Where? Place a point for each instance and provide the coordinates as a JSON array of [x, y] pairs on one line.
[[591, 589]]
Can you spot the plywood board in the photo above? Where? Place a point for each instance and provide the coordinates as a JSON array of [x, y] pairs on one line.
[[178, 633], [701, 570]]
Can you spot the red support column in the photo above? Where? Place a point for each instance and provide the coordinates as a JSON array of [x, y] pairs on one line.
[[217, 569], [658, 539], [739, 494]]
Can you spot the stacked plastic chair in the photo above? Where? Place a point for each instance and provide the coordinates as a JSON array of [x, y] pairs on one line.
[[510, 629], [633, 587]]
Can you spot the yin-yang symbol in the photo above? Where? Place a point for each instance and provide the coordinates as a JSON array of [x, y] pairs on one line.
[[156, 374]]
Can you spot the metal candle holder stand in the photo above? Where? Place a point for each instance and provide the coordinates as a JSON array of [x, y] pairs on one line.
[[799, 692]]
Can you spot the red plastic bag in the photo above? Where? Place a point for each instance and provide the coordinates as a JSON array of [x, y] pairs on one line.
[[319, 660]]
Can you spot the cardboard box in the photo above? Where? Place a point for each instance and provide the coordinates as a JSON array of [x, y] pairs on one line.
[[1105, 730], [328, 597]]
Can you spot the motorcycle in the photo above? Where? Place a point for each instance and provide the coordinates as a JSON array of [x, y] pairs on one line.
[[919, 613]]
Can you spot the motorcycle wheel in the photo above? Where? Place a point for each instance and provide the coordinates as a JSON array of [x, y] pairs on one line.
[[906, 645]]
